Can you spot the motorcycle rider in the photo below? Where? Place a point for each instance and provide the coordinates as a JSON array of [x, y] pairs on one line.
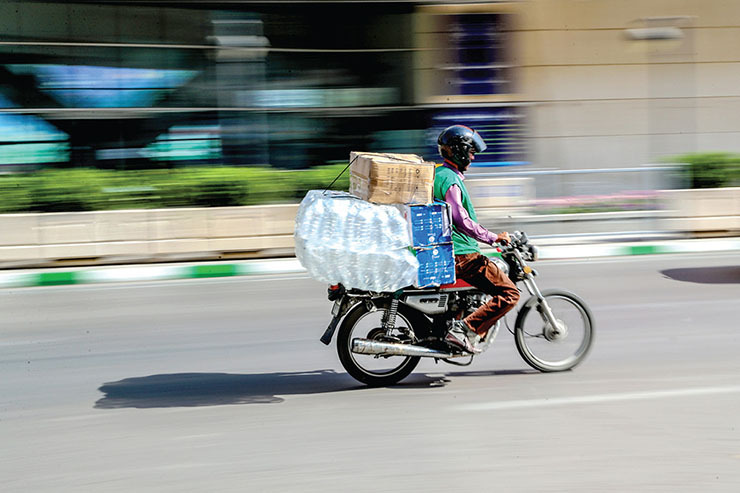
[[457, 145]]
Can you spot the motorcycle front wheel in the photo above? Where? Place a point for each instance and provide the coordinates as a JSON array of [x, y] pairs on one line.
[[376, 371], [551, 348]]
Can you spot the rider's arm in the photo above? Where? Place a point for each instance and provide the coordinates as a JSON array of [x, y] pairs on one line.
[[462, 220]]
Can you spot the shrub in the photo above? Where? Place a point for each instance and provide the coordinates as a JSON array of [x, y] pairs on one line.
[[711, 170], [14, 193], [66, 190], [320, 178], [79, 189]]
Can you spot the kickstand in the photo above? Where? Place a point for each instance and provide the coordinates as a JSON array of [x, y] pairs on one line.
[[446, 360]]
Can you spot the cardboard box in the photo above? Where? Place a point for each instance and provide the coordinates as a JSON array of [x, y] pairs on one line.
[[391, 178], [436, 265], [429, 224]]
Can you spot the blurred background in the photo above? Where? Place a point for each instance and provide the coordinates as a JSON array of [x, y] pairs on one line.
[[118, 85], [587, 106]]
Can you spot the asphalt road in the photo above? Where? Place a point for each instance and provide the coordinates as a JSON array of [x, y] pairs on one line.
[[222, 385]]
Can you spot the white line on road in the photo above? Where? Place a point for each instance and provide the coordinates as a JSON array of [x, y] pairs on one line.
[[599, 398]]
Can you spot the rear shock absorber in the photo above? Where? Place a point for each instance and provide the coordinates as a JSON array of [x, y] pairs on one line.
[[389, 320]]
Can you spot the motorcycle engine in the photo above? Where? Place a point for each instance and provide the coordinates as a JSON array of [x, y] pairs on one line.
[[474, 301]]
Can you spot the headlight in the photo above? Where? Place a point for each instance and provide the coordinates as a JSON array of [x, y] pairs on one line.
[[534, 252]]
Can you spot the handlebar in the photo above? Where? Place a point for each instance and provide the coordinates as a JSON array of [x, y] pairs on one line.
[[520, 242]]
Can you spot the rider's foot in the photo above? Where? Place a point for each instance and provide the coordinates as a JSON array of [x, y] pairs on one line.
[[462, 336]]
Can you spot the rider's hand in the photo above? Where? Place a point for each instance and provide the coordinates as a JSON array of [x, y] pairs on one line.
[[503, 238]]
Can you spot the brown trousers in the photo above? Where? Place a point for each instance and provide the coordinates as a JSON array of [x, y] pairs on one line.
[[477, 270]]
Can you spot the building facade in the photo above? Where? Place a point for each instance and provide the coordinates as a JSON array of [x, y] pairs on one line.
[[554, 84]]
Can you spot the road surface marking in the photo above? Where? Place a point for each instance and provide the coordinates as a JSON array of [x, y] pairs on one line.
[[599, 398]]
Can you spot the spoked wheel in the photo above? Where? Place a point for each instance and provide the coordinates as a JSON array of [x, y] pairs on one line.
[[371, 369], [558, 347]]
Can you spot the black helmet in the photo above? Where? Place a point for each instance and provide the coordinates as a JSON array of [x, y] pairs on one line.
[[460, 140]]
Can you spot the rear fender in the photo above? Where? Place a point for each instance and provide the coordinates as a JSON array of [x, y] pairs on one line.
[[339, 310]]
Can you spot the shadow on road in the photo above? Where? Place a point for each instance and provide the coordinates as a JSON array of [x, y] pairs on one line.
[[493, 373], [705, 275], [440, 380], [217, 389]]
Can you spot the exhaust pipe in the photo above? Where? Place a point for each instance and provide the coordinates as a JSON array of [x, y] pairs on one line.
[[367, 346]]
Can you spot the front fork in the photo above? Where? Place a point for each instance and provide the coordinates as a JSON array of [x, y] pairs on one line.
[[542, 306]]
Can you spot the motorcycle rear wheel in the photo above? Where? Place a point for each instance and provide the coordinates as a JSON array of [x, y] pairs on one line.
[[368, 369], [551, 350]]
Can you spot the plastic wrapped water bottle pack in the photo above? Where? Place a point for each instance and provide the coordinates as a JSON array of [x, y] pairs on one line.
[[342, 239]]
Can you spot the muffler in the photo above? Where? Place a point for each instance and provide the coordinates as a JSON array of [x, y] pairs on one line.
[[367, 346]]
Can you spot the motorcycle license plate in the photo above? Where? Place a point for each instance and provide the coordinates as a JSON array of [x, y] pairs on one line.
[[336, 307]]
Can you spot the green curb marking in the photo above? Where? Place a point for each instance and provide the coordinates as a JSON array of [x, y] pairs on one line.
[[56, 278], [213, 270], [643, 250], [285, 266]]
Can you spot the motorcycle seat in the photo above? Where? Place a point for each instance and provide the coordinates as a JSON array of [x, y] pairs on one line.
[[458, 284]]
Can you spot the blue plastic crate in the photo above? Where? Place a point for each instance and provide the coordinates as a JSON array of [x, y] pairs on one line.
[[430, 224], [436, 265]]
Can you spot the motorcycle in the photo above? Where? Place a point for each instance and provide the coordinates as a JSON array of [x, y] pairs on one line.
[[383, 336]]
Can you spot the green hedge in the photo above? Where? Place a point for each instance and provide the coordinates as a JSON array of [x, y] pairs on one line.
[[65, 190], [711, 170]]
